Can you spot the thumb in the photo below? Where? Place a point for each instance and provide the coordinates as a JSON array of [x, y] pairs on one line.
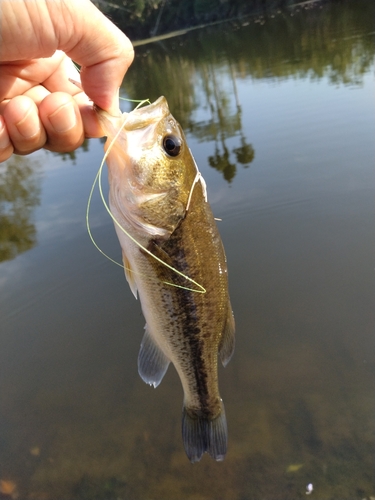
[[101, 49]]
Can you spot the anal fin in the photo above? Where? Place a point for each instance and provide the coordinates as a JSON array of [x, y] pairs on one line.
[[152, 362], [228, 341]]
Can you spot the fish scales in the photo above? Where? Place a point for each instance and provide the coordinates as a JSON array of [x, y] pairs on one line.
[[195, 249], [158, 197]]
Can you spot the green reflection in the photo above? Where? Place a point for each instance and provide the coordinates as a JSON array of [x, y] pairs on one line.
[[199, 71], [19, 195], [199, 87], [281, 46]]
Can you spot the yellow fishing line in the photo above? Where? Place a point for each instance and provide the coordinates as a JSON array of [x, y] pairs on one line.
[[98, 179], [99, 173], [88, 222]]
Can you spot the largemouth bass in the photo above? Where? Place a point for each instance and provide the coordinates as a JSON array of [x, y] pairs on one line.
[[174, 261]]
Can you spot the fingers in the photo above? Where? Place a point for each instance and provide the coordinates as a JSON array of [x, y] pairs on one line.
[[18, 77], [6, 147], [89, 116], [62, 121], [39, 106], [24, 126], [58, 74], [56, 125]]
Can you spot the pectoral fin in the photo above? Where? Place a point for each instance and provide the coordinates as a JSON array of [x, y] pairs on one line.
[[152, 362], [227, 342], [129, 275]]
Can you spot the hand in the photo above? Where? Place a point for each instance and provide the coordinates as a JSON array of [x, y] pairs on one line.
[[39, 106]]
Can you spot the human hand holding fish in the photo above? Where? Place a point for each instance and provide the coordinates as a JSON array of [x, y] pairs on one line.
[[39, 105]]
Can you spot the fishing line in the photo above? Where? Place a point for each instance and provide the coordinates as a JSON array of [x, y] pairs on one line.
[[98, 179], [88, 222], [98, 176], [201, 289]]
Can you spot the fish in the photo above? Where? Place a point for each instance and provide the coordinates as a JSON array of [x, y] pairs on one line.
[[175, 262]]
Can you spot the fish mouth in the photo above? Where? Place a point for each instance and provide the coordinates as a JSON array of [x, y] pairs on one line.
[[140, 122], [137, 119], [152, 113]]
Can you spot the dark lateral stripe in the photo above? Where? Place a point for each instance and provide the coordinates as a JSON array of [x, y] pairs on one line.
[[192, 337], [186, 308]]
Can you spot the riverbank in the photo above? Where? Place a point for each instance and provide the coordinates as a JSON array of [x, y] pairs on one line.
[[149, 21]]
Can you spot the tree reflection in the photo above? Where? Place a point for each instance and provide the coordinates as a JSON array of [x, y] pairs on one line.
[[221, 161], [227, 125], [245, 153], [221, 158], [198, 72], [19, 195], [219, 101], [224, 124]]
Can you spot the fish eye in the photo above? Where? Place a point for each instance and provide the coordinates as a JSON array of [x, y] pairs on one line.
[[171, 145]]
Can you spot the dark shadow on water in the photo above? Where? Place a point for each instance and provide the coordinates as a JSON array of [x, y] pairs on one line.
[[72, 155]]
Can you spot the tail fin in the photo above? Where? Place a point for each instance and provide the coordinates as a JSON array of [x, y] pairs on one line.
[[201, 434]]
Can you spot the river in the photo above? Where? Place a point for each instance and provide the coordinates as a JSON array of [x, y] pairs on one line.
[[279, 112]]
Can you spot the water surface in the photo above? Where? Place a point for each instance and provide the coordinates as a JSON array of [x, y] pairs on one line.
[[279, 113]]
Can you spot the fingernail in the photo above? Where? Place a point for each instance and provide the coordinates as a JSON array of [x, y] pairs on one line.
[[29, 126], [4, 138], [64, 118]]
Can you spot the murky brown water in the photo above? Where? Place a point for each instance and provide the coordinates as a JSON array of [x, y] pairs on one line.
[[280, 115]]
